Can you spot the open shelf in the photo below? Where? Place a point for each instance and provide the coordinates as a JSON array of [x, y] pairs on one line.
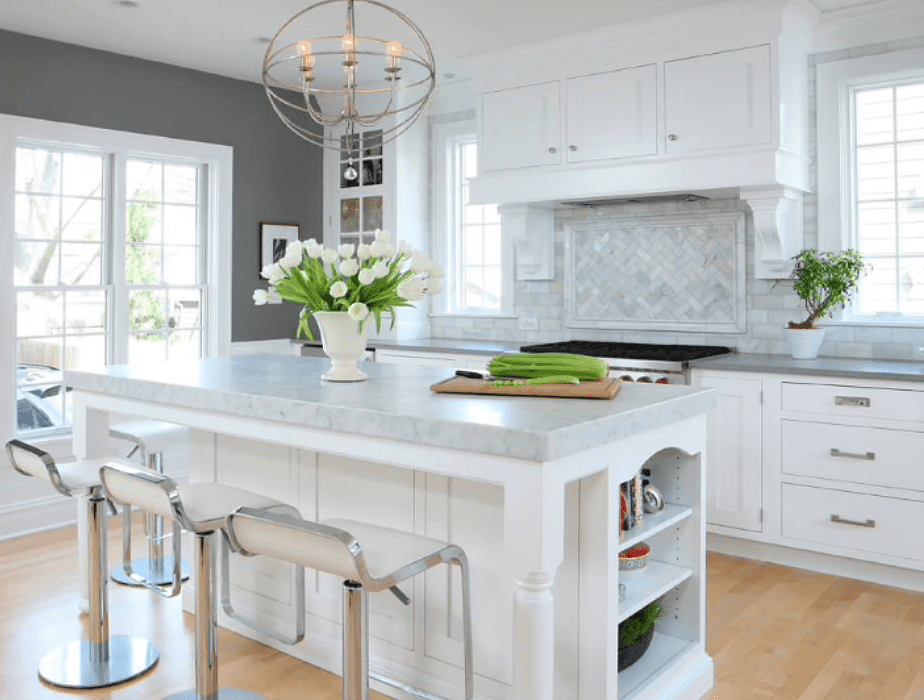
[[664, 650], [655, 523], [657, 579]]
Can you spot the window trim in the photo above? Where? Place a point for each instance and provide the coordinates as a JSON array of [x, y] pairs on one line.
[[446, 137], [835, 83], [219, 161]]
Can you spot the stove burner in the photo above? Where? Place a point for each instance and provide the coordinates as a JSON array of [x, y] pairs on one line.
[[630, 351]]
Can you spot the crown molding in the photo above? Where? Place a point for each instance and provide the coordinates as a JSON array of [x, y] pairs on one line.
[[879, 22]]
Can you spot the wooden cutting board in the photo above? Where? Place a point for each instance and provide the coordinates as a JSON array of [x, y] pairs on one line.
[[605, 389]]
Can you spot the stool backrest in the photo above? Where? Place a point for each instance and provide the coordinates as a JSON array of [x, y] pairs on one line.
[[152, 492], [30, 460], [297, 541]]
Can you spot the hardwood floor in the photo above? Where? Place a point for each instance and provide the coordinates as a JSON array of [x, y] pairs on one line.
[[774, 632]]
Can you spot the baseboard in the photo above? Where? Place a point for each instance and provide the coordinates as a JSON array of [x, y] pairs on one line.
[[819, 563], [39, 515]]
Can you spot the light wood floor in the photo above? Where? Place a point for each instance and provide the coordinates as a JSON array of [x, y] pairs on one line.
[[774, 632]]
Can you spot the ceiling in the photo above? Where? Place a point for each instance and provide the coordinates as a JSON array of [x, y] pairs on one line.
[[223, 36]]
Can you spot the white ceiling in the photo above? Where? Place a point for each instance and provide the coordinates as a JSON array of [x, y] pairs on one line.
[[221, 36]]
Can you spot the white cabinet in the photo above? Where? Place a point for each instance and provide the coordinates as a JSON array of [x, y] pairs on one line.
[[612, 115], [734, 477], [718, 101], [520, 127]]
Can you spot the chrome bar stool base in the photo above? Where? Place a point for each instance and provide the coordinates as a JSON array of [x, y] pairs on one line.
[[78, 663], [144, 569], [223, 694]]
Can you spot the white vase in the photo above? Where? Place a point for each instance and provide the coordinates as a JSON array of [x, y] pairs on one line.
[[804, 343], [344, 344]]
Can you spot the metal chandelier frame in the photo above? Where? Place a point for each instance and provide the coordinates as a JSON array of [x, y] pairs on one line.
[[303, 118]]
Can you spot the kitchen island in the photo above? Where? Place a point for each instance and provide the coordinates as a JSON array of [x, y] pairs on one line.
[[528, 487]]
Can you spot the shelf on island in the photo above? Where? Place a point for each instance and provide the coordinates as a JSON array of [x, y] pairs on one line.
[[664, 650], [655, 523], [657, 579]]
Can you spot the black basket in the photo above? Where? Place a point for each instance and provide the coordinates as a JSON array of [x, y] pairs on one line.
[[635, 652]]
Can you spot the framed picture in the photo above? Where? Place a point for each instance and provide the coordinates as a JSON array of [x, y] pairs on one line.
[[274, 238]]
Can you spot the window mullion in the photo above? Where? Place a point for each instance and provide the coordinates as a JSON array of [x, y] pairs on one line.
[[119, 319]]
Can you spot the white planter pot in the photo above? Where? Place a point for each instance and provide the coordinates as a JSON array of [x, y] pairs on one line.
[[804, 343], [344, 344]]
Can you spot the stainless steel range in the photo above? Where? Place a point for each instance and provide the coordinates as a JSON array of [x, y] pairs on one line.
[[638, 362]]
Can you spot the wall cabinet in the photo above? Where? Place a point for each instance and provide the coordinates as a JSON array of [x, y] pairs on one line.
[[521, 127], [733, 480], [612, 115], [718, 101]]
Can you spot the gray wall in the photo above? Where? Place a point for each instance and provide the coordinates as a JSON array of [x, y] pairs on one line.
[[277, 176]]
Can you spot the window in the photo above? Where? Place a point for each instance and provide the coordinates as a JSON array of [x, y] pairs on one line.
[[116, 257], [871, 179], [469, 242]]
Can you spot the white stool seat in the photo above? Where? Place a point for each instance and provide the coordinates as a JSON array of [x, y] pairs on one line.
[[78, 477], [151, 436], [208, 505], [386, 550]]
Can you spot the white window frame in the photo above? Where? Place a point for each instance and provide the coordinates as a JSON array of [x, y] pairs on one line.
[[446, 138], [835, 85], [121, 145]]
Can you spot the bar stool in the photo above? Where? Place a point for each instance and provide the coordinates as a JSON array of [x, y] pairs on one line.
[[368, 558], [151, 439], [101, 660], [202, 510]]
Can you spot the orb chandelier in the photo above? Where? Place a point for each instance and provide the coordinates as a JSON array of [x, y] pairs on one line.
[[379, 82]]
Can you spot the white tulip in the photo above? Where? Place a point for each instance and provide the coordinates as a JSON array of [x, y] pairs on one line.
[[260, 297], [364, 251], [382, 236], [349, 267], [377, 249], [346, 250], [411, 289], [358, 311], [366, 276], [313, 248], [295, 245], [338, 289], [329, 256], [436, 271], [274, 273], [434, 286], [405, 248], [420, 262], [380, 269], [292, 258]]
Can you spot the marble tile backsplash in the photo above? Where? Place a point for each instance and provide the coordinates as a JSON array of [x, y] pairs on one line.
[[770, 305]]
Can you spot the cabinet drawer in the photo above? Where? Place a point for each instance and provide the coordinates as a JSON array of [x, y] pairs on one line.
[[861, 402], [848, 453], [885, 525]]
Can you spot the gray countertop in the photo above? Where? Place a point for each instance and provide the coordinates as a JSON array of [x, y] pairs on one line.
[[396, 403], [823, 366]]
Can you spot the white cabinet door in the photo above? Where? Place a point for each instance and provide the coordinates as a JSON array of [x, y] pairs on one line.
[[718, 101], [612, 115], [733, 472], [521, 127]]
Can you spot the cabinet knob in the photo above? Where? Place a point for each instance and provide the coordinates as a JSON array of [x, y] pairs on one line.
[[672, 137], [572, 147], [553, 150]]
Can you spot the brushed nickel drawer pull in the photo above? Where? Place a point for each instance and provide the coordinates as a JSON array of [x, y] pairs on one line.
[[869, 456], [859, 401], [844, 521]]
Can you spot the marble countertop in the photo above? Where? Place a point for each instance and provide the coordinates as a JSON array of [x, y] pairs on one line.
[[436, 345], [823, 366], [396, 403]]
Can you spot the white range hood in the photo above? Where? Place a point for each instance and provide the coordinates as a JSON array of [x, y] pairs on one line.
[[712, 98]]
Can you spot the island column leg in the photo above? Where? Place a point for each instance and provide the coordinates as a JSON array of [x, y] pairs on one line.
[[534, 637], [534, 545]]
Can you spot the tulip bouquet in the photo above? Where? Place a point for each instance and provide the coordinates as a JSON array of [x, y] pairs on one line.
[[370, 278]]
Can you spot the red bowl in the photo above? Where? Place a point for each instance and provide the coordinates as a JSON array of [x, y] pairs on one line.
[[639, 551]]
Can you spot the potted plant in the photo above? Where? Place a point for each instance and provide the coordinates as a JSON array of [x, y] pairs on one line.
[[635, 635], [825, 282]]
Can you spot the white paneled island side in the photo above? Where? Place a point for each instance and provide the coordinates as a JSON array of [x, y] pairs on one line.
[[529, 487]]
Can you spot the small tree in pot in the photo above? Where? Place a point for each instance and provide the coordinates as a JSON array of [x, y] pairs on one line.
[[825, 282]]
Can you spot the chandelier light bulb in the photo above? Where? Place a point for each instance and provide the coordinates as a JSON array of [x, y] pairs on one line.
[[394, 49], [304, 48], [348, 43], [350, 173]]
